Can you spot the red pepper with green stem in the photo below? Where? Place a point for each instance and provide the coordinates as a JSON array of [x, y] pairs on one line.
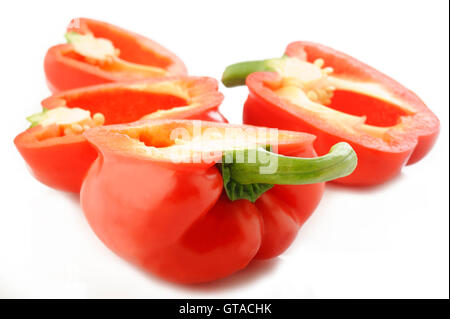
[[54, 147], [158, 196], [98, 52], [318, 90]]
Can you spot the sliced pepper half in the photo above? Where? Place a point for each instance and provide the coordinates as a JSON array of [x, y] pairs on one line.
[[194, 201], [316, 89], [98, 52], [54, 147]]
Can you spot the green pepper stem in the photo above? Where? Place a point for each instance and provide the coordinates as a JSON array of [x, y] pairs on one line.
[[36, 118], [235, 74], [339, 162], [72, 36]]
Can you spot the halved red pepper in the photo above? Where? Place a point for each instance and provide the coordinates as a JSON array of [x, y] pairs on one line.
[[99, 52], [54, 147], [157, 197], [318, 90]]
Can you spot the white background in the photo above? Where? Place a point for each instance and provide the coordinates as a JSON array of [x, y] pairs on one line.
[[388, 241]]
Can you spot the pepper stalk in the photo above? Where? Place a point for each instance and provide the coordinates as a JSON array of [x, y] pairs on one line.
[[235, 74], [245, 180]]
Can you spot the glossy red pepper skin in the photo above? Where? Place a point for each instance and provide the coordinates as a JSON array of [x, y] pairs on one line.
[[174, 220], [65, 70], [61, 161], [376, 164]]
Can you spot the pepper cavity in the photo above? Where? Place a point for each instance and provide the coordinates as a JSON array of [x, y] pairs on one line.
[[196, 141], [309, 86]]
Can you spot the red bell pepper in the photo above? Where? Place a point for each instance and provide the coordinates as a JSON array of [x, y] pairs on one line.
[[156, 196], [54, 147], [99, 52], [318, 90]]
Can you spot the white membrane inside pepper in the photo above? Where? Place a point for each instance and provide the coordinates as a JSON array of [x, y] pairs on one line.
[[94, 48], [72, 120]]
